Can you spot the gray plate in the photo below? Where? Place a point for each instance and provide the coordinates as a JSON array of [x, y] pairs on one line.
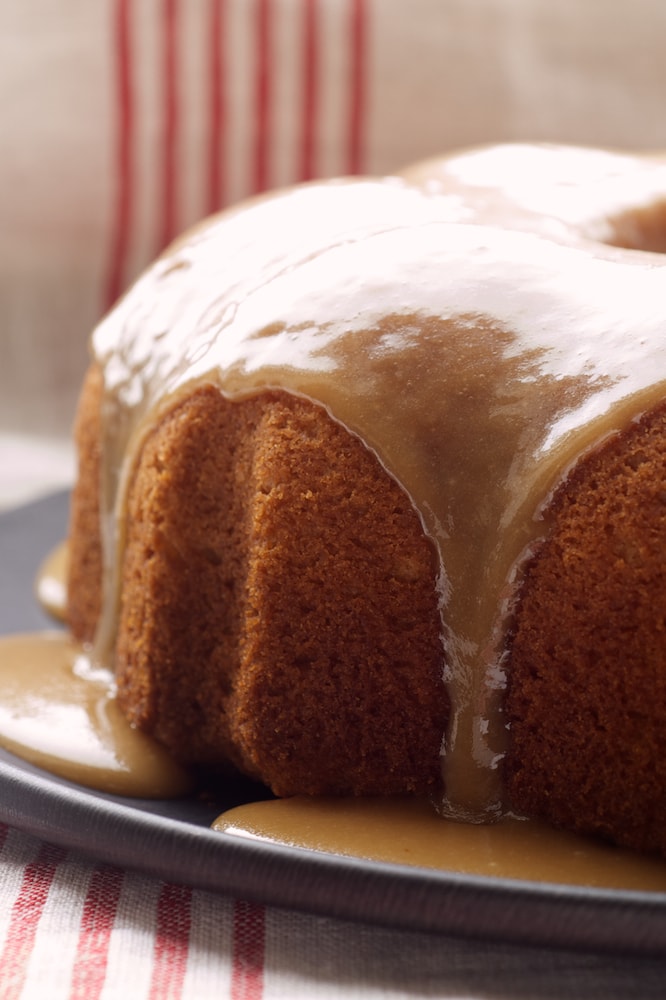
[[171, 839]]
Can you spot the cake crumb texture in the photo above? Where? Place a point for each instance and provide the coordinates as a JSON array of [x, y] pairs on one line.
[[587, 679], [278, 602]]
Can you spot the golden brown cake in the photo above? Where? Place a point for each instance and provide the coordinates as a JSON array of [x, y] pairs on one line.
[[247, 521], [372, 490]]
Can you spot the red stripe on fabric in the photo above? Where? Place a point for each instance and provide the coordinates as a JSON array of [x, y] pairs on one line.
[[357, 85], [216, 181], [99, 913], [172, 938], [123, 153], [25, 916], [249, 944], [262, 95], [170, 70], [310, 95]]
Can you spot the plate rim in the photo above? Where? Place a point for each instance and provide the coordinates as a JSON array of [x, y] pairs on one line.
[[379, 893]]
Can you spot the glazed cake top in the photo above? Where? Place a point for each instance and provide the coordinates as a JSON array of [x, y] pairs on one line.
[[473, 321]]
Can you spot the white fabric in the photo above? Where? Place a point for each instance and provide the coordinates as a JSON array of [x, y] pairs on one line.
[[214, 947]]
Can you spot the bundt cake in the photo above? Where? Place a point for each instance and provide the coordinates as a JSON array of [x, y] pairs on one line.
[[372, 490]]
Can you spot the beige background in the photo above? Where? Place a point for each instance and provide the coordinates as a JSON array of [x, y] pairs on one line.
[[440, 74]]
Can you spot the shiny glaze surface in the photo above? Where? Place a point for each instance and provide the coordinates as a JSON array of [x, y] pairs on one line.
[[59, 712], [51, 582], [408, 832]]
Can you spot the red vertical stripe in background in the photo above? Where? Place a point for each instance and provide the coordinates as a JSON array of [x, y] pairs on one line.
[[172, 939], [247, 968], [309, 107], [124, 154], [168, 224], [262, 122], [25, 916], [99, 913], [216, 181], [357, 85]]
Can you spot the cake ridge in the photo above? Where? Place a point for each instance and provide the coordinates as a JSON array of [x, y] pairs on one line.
[[494, 314]]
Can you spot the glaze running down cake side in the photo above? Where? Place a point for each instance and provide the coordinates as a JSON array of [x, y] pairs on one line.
[[372, 489]]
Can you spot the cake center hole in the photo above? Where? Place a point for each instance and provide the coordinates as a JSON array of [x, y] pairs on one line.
[[640, 229]]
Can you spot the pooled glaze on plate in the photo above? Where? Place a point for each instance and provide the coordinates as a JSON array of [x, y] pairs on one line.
[[59, 713], [408, 832]]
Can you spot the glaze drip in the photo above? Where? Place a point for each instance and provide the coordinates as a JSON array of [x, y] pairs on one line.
[[478, 361]]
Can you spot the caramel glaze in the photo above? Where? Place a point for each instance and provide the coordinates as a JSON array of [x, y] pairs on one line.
[[59, 712], [51, 582], [473, 321], [408, 832]]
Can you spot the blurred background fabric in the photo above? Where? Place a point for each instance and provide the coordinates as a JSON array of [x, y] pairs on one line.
[[124, 121]]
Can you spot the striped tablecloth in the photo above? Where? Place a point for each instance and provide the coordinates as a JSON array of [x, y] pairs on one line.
[[70, 928]]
